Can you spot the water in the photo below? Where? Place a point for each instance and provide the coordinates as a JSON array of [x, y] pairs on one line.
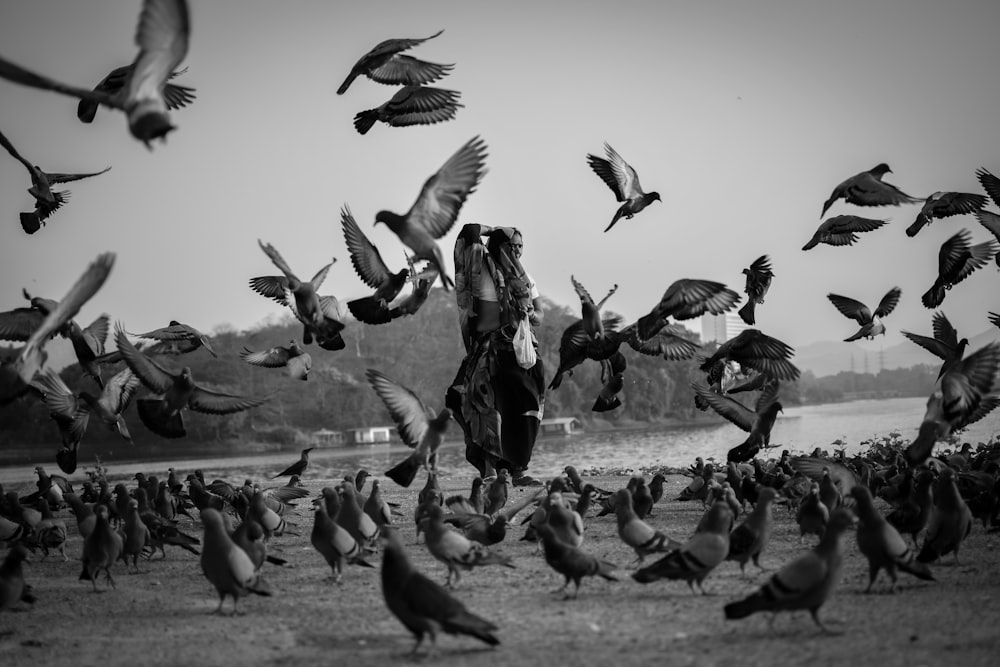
[[799, 429]]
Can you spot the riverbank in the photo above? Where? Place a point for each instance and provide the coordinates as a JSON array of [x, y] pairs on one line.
[[163, 615]]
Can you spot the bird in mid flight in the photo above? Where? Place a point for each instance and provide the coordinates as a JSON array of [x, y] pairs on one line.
[[623, 181], [386, 64], [868, 189]]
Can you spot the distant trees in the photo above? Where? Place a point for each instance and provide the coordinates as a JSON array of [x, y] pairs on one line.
[[423, 352]]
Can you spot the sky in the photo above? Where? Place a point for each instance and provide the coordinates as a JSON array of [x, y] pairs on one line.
[[743, 116]]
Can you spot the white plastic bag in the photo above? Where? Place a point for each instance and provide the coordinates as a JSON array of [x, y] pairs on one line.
[[524, 349]]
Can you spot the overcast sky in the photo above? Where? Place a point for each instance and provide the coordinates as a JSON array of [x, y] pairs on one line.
[[743, 115]]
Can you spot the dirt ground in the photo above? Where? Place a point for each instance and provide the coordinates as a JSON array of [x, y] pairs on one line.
[[163, 615]]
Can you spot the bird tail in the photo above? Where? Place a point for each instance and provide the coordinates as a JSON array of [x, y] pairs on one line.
[[920, 449], [260, 587], [369, 311], [933, 297], [365, 120], [606, 570], [154, 414], [404, 472], [813, 242], [467, 623], [556, 381], [746, 313], [915, 567], [614, 220], [603, 404], [743, 608], [917, 225], [343, 87], [86, 110], [30, 222]]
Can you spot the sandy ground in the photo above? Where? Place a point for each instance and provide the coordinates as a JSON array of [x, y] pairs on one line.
[[164, 614]]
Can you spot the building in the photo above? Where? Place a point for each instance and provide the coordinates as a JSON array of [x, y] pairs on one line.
[[560, 426], [721, 328], [370, 435]]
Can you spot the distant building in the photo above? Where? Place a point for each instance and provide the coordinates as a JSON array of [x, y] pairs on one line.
[[721, 328], [560, 426], [369, 435]]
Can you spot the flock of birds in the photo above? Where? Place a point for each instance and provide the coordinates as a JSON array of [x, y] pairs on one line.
[[966, 390], [931, 510]]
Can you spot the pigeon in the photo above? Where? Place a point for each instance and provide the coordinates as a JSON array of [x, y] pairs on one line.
[[175, 96], [321, 316], [756, 350], [72, 411], [806, 582], [17, 373], [868, 189], [871, 323], [842, 230], [991, 221], [47, 202], [751, 537], [593, 325], [100, 549], [178, 391], [411, 105], [334, 543], [758, 282], [572, 562], [185, 335], [372, 270], [226, 565], [957, 259], [423, 606], [694, 560], [162, 38], [624, 183], [454, 549], [417, 426], [13, 588], [951, 521], [686, 299], [296, 361], [384, 63], [437, 206], [945, 344], [882, 544], [757, 422], [944, 205], [636, 533], [961, 397]]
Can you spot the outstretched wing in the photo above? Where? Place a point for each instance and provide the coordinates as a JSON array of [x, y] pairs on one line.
[[443, 194], [405, 407], [365, 257], [851, 308]]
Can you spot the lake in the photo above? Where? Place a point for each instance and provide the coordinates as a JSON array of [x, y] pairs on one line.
[[800, 429]]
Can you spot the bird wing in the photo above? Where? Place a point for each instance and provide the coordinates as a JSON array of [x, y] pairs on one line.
[[761, 266], [604, 169], [425, 117], [696, 297], [868, 190], [273, 287], [990, 183], [668, 342], [219, 403], [66, 178], [990, 221], [18, 74], [13, 152], [18, 324], [177, 96], [276, 357], [628, 180], [119, 390], [82, 290], [943, 330], [408, 71], [728, 407], [851, 308], [365, 257], [405, 407], [888, 302], [854, 223], [582, 292], [443, 194], [948, 204], [278, 261], [154, 376], [932, 345], [58, 397], [162, 38], [389, 47], [317, 280]]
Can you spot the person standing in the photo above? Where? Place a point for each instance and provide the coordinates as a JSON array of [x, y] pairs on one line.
[[498, 395]]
